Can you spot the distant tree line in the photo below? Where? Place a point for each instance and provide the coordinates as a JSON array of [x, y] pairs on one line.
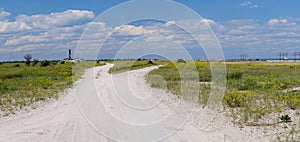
[[28, 61]]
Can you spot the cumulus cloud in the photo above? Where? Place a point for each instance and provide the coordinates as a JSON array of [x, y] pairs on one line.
[[130, 30], [154, 39], [25, 40], [280, 22], [58, 19], [43, 32], [268, 38], [208, 21], [58, 31], [12, 27], [96, 25], [170, 23], [277, 21], [7, 26], [4, 15], [249, 4]]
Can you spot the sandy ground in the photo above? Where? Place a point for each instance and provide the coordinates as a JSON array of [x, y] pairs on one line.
[[147, 115]]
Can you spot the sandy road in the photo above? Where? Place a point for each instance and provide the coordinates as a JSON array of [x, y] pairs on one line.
[[147, 115]]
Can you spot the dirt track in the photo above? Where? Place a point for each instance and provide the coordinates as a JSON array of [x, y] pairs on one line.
[[62, 120]]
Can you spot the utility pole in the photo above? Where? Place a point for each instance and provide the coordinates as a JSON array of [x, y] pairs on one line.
[[283, 55], [243, 57], [280, 55], [296, 55]]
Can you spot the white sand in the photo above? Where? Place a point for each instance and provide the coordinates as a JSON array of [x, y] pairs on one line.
[[62, 121]]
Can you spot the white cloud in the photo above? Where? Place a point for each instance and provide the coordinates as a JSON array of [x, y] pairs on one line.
[[52, 33], [249, 4], [154, 39], [96, 25], [58, 31], [130, 30], [25, 40], [208, 21], [276, 21], [12, 27], [4, 15], [58, 19], [170, 23], [280, 22], [268, 38]]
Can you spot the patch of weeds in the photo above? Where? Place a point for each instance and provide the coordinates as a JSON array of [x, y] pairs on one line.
[[285, 118], [236, 98], [234, 75]]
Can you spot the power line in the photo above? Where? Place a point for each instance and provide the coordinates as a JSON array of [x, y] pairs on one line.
[[243, 57]]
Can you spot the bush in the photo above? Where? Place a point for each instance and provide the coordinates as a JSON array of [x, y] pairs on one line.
[[234, 75], [62, 62], [54, 63], [248, 83], [44, 83], [35, 61], [45, 63], [17, 65], [181, 61], [285, 118], [150, 62], [236, 98]]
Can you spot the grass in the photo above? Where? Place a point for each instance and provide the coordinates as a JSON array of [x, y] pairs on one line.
[[21, 86], [127, 65], [254, 91]]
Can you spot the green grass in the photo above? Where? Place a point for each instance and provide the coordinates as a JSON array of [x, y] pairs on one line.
[[21, 86], [254, 89], [127, 65]]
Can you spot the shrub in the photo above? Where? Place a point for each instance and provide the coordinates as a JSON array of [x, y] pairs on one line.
[[45, 63], [181, 61], [150, 62], [234, 75], [249, 82], [17, 65], [54, 63], [35, 61], [44, 83], [204, 77], [236, 98], [285, 118], [62, 62], [100, 64]]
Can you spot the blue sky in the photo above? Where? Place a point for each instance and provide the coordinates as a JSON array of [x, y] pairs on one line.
[[260, 28], [218, 10]]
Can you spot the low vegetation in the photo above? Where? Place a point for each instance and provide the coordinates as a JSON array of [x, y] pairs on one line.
[[257, 93], [22, 85], [127, 65]]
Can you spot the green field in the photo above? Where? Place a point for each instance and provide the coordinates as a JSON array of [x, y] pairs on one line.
[[127, 65], [254, 89], [21, 86]]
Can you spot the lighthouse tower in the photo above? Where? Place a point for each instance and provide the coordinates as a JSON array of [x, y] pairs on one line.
[[69, 54]]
